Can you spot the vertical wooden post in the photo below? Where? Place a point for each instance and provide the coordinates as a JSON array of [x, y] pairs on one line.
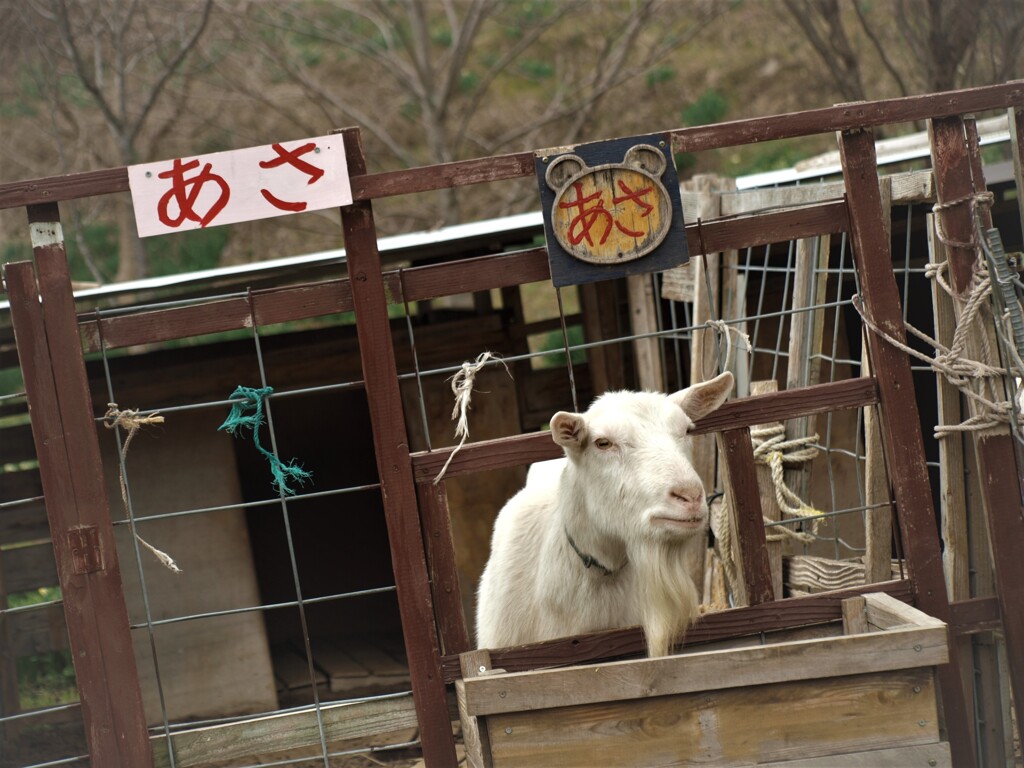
[[900, 422], [643, 315], [740, 482], [398, 488], [1015, 116], [878, 521], [600, 322], [444, 575], [806, 328], [67, 447], [955, 540], [769, 503], [994, 448]]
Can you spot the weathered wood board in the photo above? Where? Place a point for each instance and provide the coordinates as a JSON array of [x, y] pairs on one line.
[[848, 700]]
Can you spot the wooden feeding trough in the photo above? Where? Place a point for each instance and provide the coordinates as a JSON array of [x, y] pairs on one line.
[[858, 693]]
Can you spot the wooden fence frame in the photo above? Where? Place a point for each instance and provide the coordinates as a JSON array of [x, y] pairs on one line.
[[51, 355]]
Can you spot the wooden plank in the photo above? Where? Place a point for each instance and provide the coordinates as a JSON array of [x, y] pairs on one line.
[[878, 521], [24, 522], [278, 305], [1015, 117], [518, 165], [907, 187], [817, 574], [598, 303], [743, 412], [740, 481], [727, 727], [292, 670], [932, 755], [805, 329], [286, 732], [766, 488], [444, 574], [17, 445], [398, 490], [478, 746], [710, 627], [885, 612], [976, 614], [1002, 501], [847, 117], [855, 620], [956, 558], [61, 424], [815, 659], [904, 446], [643, 317]]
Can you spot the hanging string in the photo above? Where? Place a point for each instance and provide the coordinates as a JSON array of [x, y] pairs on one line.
[[722, 328], [130, 421], [247, 413], [462, 388]]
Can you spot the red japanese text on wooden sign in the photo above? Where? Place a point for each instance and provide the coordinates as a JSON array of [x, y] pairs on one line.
[[239, 185], [611, 209]]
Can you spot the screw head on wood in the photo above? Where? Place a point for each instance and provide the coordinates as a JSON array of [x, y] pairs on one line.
[[508, 730]]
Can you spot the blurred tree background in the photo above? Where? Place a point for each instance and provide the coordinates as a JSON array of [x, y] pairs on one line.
[[93, 84]]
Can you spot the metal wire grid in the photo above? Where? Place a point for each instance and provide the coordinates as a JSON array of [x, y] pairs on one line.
[[131, 520]]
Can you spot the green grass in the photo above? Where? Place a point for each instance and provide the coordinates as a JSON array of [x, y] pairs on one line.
[[44, 679]]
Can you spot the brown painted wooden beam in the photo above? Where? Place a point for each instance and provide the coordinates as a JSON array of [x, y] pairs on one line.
[[958, 178], [737, 622], [398, 491], [76, 500], [899, 418], [745, 412], [517, 165]]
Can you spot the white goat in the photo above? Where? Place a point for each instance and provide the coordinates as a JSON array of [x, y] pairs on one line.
[[598, 540]]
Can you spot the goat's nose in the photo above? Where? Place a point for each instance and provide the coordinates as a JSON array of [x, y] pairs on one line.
[[688, 494]]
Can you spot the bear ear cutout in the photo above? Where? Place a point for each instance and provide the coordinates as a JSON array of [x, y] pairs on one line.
[[646, 158], [562, 169]]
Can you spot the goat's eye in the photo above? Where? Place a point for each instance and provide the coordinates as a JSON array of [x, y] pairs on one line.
[[603, 443]]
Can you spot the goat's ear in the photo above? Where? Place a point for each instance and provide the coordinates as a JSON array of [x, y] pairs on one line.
[[701, 399], [568, 429]]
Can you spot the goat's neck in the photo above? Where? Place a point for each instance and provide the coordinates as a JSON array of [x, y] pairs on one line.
[[578, 522]]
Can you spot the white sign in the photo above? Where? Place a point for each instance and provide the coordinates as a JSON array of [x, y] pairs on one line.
[[239, 185]]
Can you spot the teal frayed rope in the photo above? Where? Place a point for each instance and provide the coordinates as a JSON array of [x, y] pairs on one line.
[[247, 413]]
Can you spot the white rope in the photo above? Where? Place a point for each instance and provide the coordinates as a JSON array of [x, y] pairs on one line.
[[131, 422], [462, 388], [775, 452], [721, 328]]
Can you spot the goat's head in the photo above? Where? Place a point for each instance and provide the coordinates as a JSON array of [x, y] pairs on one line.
[[631, 456]]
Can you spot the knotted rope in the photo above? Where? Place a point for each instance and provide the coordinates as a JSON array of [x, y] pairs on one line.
[[130, 421], [247, 413], [772, 449], [721, 328], [462, 388]]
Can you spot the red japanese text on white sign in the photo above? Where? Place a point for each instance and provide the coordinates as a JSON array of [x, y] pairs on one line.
[[239, 185]]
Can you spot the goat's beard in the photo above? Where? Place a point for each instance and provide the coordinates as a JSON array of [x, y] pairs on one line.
[[670, 600]]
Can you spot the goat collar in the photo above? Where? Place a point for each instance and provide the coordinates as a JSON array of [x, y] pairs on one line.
[[588, 560]]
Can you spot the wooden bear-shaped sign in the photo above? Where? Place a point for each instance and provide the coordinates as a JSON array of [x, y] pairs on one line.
[[605, 217]]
